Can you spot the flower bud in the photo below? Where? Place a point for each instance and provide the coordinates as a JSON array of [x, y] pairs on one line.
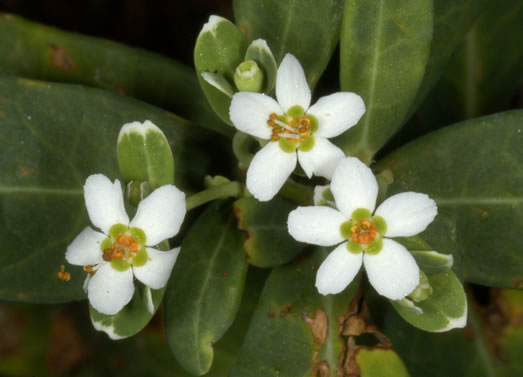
[[248, 77]]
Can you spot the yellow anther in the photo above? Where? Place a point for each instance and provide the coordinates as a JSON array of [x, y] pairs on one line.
[[89, 269], [63, 274], [364, 232]]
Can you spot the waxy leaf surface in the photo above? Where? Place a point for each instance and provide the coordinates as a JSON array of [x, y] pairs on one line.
[[206, 287], [308, 29], [474, 172], [53, 136], [384, 49], [41, 52]]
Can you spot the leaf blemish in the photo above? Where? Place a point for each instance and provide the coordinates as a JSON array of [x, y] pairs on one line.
[[319, 325], [61, 59]]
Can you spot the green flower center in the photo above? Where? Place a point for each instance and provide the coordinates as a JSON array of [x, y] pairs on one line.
[[363, 232], [293, 130], [124, 247]]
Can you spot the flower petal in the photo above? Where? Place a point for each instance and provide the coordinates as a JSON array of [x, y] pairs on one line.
[[393, 272], [85, 248], [161, 214], [249, 112], [316, 225], [353, 186], [104, 202], [291, 84], [322, 159], [156, 271], [407, 213], [338, 270], [269, 170], [337, 113], [110, 290]]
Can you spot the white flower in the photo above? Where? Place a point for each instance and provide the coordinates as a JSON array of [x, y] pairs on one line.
[[290, 125], [364, 237], [123, 250]]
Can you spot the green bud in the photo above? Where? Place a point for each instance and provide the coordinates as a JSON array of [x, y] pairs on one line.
[[423, 290], [248, 77]]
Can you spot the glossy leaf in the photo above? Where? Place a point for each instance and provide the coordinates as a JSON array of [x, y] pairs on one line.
[[489, 346], [53, 137], [219, 49], [307, 29], [206, 287], [384, 49], [428, 260], [144, 155], [484, 74], [41, 52], [443, 310], [452, 20], [294, 329], [133, 317], [473, 172], [268, 242]]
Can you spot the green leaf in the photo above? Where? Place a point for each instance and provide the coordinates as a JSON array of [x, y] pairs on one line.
[[133, 317], [384, 49], [477, 184], [489, 346], [294, 329], [260, 52], [53, 137], [452, 20], [219, 49], [206, 287], [430, 261], [41, 52], [380, 363], [307, 29], [268, 243], [144, 155], [443, 310], [484, 74]]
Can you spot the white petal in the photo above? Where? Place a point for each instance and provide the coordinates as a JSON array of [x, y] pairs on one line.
[[407, 214], [337, 113], [156, 271], [104, 202], [268, 171], [161, 214], [316, 225], [322, 159], [249, 112], [85, 248], [338, 270], [393, 272], [291, 84], [353, 186], [110, 290]]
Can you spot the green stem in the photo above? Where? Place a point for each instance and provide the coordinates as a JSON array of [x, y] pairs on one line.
[[226, 190], [297, 193]]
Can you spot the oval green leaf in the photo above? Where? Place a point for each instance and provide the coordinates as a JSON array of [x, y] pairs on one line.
[[307, 29], [206, 287], [219, 49], [384, 49], [53, 137], [473, 172], [45, 53]]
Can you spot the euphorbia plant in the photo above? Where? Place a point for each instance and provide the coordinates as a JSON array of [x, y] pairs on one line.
[[321, 232]]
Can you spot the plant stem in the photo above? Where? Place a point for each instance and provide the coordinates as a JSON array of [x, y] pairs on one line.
[[226, 190]]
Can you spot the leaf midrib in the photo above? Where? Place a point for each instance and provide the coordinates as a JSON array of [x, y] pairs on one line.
[[374, 75], [35, 190], [479, 200]]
